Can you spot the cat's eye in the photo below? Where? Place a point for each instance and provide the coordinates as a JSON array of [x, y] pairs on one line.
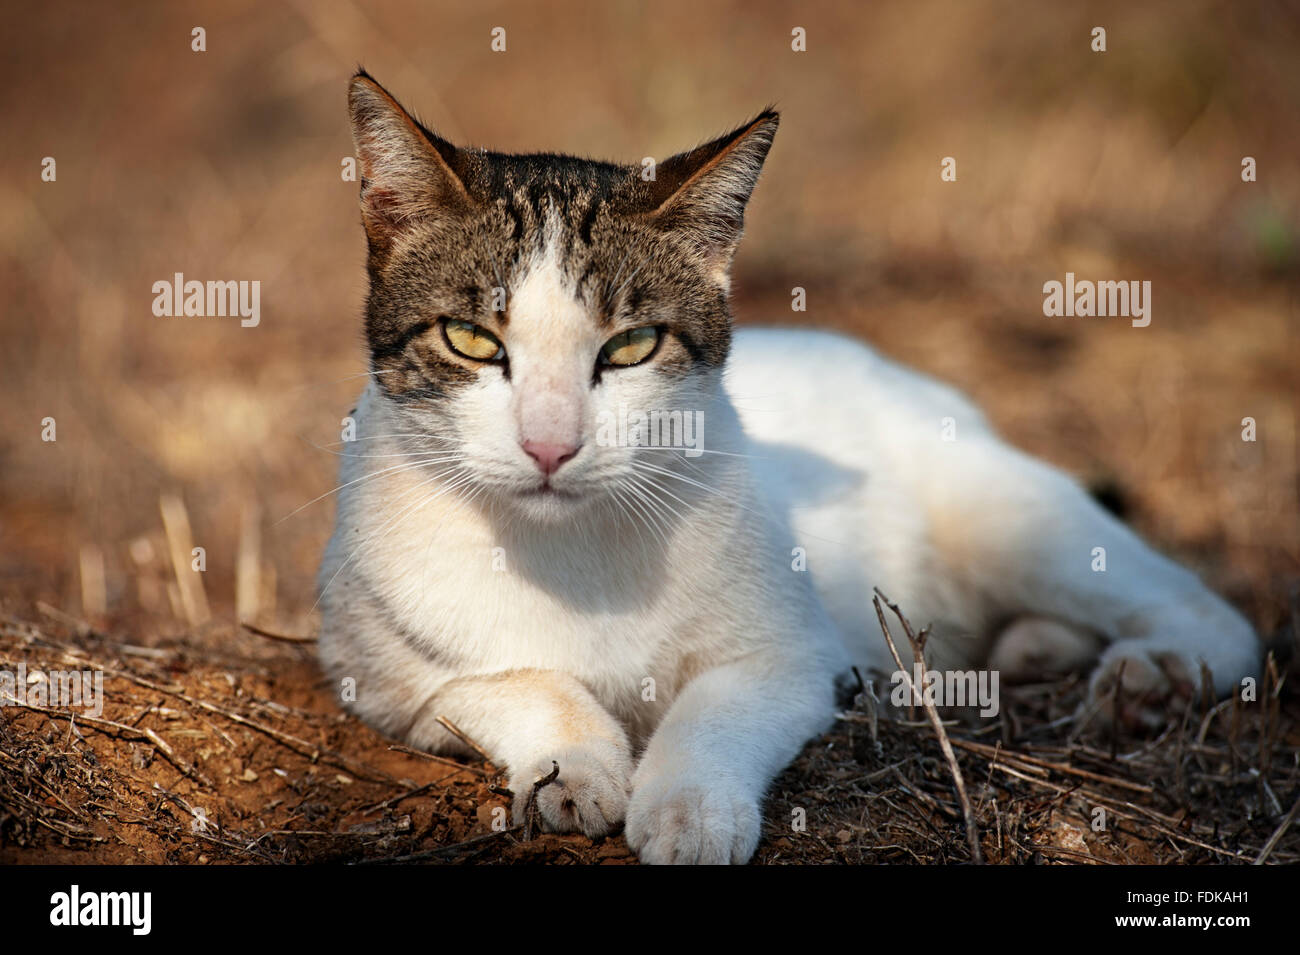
[[472, 341], [630, 347]]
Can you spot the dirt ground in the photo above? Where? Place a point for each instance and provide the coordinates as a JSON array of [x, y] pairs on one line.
[[218, 744], [246, 759]]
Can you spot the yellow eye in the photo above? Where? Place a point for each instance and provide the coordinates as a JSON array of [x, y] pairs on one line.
[[630, 347], [472, 341]]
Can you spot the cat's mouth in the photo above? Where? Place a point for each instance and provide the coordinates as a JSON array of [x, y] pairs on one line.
[[548, 490], [547, 502]]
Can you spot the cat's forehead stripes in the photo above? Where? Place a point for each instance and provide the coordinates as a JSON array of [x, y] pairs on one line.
[[546, 298]]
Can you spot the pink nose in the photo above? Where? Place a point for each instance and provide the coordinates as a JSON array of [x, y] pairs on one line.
[[549, 457]]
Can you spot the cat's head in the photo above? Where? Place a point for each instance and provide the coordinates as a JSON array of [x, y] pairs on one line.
[[523, 308]]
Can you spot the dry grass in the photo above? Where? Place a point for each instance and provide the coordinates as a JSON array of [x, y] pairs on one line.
[[191, 761], [225, 165]]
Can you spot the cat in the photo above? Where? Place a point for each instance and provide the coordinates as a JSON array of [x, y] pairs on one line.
[[668, 626]]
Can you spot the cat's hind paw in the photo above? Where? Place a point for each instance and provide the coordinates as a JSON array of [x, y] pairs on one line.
[[1139, 689]]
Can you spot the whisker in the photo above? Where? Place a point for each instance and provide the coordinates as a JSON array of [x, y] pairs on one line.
[[619, 271], [408, 466], [634, 516], [668, 472], [389, 525], [635, 271], [664, 514], [646, 466], [643, 509], [730, 454], [650, 487], [434, 531], [394, 434], [335, 381], [344, 454]]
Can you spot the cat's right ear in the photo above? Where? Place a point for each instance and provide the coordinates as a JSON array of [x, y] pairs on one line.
[[702, 193], [407, 173]]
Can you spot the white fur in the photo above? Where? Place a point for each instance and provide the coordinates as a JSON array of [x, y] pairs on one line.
[[960, 533], [816, 443]]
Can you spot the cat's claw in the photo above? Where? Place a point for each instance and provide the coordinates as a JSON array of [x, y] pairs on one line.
[[678, 821], [589, 795]]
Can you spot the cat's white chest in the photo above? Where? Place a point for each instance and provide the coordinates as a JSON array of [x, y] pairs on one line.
[[481, 599]]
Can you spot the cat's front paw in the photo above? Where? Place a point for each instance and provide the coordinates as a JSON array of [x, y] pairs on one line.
[[589, 795], [684, 820]]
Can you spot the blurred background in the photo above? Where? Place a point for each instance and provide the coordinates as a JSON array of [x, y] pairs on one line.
[[225, 165]]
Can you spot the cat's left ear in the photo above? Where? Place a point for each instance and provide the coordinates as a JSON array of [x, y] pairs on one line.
[[408, 174], [703, 192]]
